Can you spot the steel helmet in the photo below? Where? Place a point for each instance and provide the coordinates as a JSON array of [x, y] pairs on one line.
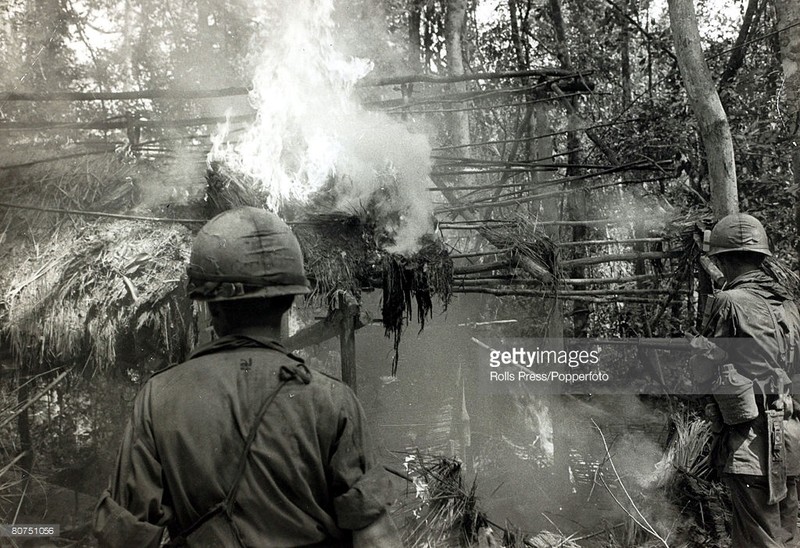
[[244, 253], [737, 232]]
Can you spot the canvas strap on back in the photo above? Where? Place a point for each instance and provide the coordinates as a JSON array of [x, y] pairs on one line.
[[298, 371], [776, 448]]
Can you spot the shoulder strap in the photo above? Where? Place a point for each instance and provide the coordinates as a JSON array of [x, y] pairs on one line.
[[298, 371]]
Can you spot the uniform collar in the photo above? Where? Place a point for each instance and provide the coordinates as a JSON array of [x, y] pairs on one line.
[[238, 340]]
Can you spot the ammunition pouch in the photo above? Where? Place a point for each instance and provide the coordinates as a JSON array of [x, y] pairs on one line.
[[735, 395]]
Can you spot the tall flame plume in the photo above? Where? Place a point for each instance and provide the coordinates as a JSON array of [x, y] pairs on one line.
[[310, 130]]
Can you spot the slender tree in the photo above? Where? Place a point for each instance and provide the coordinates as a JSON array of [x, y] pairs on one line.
[[712, 120], [788, 12]]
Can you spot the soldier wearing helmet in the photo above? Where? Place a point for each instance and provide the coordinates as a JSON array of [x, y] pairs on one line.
[[242, 445], [755, 321]]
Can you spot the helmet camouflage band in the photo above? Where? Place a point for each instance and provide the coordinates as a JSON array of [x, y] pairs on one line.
[[738, 232], [245, 253]]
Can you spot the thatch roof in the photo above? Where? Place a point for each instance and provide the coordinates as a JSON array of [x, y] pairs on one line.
[[99, 293], [109, 293], [90, 292]]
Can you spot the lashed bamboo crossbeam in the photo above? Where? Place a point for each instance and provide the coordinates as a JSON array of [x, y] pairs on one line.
[[587, 222], [485, 107], [500, 202], [569, 281], [542, 293], [528, 188], [500, 284], [624, 241], [537, 90], [478, 268], [123, 124], [478, 253], [535, 137], [527, 193], [431, 79], [617, 280], [84, 213], [620, 257], [558, 74], [446, 162]]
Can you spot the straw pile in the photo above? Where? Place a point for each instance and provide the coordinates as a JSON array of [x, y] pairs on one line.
[[685, 478], [82, 291], [110, 289], [527, 242], [443, 511]]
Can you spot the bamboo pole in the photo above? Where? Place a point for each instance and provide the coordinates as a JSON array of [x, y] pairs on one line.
[[479, 253], [101, 214], [497, 203], [108, 125], [499, 284], [569, 281], [477, 268], [431, 79], [34, 399], [552, 293], [122, 95], [558, 74], [611, 242], [537, 137], [588, 222], [529, 187], [474, 108], [600, 259], [617, 280]]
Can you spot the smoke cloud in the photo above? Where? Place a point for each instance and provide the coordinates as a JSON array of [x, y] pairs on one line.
[[312, 136]]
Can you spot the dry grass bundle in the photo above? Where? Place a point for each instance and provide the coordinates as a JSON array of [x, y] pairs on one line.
[[685, 473], [340, 253], [88, 290], [688, 451], [546, 539], [227, 189], [443, 511], [538, 253]]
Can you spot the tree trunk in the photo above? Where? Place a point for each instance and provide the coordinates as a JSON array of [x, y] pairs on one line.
[[625, 60], [414, 36], [704, 99], [516, 36], [788, 12], [736, 60], [453, 30]]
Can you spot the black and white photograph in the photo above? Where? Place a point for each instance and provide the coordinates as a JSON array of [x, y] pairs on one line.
[[400, 273]]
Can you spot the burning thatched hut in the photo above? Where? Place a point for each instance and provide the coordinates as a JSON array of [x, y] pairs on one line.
[[107, 289]]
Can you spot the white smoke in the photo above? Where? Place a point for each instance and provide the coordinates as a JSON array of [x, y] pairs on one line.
[[311, 130]]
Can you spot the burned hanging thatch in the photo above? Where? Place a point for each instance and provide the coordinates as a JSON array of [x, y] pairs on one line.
[[426, 274], [340, 253], [348, 252]]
